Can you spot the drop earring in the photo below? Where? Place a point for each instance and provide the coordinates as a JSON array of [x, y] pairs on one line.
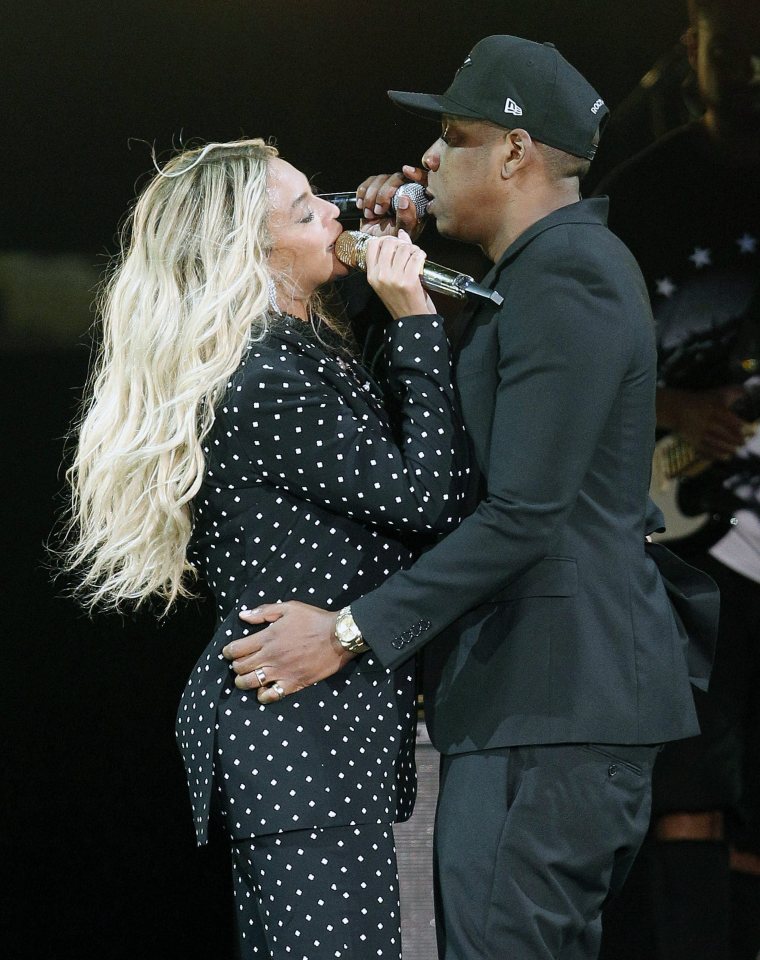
[[272, 293]]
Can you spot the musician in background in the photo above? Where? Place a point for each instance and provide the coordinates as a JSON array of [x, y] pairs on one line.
[[689, 208]]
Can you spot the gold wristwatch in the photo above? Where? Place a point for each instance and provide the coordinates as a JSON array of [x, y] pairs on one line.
[[348, 634]]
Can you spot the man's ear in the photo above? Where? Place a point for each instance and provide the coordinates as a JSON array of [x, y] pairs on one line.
[[518, 145]]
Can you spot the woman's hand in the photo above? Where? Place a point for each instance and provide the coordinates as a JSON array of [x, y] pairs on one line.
[[394, 266]]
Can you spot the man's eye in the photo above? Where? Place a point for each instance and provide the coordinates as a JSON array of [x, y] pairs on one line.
[[449, 136], [308, 218]]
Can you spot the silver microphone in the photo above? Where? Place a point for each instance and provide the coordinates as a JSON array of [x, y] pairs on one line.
[[346, 202], [350, 248]]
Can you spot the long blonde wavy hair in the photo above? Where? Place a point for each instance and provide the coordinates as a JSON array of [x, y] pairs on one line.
[[189, 293]]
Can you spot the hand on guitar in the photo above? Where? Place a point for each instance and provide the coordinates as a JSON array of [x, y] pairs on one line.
[[704, 418]]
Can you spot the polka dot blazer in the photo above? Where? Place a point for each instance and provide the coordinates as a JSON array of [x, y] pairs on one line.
[[315, 492]]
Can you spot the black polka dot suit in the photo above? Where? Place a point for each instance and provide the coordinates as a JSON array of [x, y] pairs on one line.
[[313, 492]]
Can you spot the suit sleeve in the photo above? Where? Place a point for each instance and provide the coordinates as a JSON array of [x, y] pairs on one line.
[[561, 362], [324, 438]]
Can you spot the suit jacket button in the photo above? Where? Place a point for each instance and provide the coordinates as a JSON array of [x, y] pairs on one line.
[[612, 769]]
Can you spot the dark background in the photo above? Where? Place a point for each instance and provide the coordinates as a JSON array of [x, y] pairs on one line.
[[96, 843], [82, 79]]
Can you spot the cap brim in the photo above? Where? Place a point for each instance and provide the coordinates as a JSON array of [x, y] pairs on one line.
[[430, 105]]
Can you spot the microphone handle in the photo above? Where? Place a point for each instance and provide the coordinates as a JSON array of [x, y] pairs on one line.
[[441, 279], [346, 201], [350, 248], [346, 204]]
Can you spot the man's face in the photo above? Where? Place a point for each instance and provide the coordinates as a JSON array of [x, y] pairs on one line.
[[727, 63], [464, 166]]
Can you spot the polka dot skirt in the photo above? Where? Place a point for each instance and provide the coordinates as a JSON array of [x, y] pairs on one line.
[[318, 895]]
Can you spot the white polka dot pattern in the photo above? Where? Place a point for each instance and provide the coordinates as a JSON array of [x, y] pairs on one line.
[[312, 493], [318, 895]]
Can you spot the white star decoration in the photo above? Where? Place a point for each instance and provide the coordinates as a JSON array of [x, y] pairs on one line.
[[666, 287], [701, 257], [747, 243]]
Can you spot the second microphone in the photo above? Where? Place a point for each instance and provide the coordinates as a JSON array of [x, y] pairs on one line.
[[346, 202]]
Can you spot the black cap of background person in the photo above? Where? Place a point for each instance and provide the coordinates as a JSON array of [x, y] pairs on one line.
[[519, 83]]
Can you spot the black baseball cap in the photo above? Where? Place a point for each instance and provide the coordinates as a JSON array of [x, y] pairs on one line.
[[518, 83]]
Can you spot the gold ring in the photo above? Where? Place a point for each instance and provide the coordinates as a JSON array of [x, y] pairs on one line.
[[260, 676]]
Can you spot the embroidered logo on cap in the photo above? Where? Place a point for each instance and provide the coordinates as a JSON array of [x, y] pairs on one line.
[[511, 107], [597, 106]]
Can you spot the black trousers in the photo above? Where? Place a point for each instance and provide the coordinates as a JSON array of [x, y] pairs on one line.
[[530, 842], [318, 894]]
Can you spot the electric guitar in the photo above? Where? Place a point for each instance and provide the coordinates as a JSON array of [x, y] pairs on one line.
[[689, 489]]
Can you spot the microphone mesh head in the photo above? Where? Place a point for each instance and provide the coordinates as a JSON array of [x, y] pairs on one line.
[[416, 194], [350, 249]]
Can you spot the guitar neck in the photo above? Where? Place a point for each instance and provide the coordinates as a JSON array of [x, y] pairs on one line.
[[679, 456]]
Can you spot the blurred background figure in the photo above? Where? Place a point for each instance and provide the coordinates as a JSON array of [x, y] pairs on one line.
[[664, 98], [688, 206]]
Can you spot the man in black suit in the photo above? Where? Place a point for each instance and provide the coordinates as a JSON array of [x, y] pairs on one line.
[[554, 666]]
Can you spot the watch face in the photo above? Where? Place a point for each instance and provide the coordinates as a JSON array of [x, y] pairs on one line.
[[347, 632], [345, 625]]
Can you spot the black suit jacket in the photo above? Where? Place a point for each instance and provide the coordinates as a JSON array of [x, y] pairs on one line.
[[543, 618]]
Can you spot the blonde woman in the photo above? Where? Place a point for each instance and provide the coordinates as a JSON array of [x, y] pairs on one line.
[[229, 434]]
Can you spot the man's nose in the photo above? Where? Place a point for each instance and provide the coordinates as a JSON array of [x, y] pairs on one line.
[[431, 158]]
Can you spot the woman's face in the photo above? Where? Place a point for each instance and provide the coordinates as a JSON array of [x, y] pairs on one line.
[[303, 230]]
